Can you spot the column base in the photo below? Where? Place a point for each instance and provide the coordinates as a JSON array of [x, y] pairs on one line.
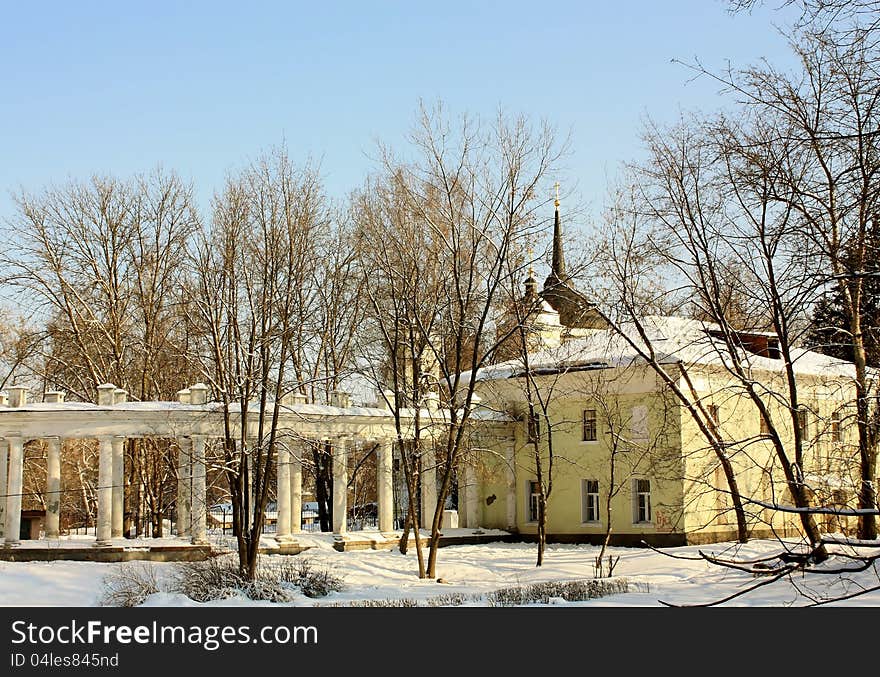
[[12, 544], [200, 541], [104, 544]]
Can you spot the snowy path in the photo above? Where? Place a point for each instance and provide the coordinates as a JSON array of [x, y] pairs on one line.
[[468, 569]]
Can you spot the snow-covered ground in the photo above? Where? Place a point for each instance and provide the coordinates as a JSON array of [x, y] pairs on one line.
[[478, 569]]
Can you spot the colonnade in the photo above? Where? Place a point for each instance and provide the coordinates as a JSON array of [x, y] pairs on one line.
[[289, 488], [110, 489], [191, 499], [191, 422]]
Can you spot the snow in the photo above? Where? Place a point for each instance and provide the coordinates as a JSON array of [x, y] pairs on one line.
[[674, 340], [475, 570]]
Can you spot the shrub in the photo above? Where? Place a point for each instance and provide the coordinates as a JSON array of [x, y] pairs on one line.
[[404, 602], [129, 584], [219, 578], [571, 591], [215, 578], [304, 573]]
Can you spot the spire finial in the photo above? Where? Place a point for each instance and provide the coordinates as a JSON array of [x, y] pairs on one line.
[[530, 253], [556, 201]]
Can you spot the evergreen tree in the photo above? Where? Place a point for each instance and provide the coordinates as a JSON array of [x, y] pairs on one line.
[[830, 326]]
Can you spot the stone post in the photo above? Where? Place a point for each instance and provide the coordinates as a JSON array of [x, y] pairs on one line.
[[106, 394], [53, 488], [472, 499], [199, 499], [17, 396], [429, 487], [198, 393], [282, 493], [510, 458], [340, 486], [296, 492], [4, 458], [105, 491], [13, 491], [184, 498], [118, 486], [385, 486]]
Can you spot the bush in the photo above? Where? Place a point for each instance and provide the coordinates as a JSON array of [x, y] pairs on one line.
[[215, 578], [276, 579], [404, 602], [312, 581], [129, 585], [571, 591]]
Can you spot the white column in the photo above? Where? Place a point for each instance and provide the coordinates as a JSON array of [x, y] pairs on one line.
[[4, 457], [53, 488], [184, 454], [105, 491], [13, 491], [429, 487], [296, 491], [340, 487], [282, 493], [118, 486], [199, 499], [472, 499], [385, 486], [510, 457]]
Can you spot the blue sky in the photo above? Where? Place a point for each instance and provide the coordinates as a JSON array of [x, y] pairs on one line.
[[100, 87]]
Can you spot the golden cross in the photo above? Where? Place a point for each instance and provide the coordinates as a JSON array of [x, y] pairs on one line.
[[557, 194]]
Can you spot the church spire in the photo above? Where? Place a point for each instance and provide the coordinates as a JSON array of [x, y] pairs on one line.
[[557, 270]]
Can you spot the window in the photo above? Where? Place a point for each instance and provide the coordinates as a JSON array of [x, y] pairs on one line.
[[589, 432], [803, 425], [534, 426], [712, 411], [641, 501], [765, 429], [590, 507], [836, 434], [534, 493], [722, 494], [638, 424]]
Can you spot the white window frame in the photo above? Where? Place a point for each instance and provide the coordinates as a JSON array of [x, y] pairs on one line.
[[641, 502], [639, 428], [714, 419], [586, 496], [763, 426], [803, 422], [595, 422], [530, 494], [836, 427]]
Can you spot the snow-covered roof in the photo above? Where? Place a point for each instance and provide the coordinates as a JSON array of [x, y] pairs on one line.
[[673, 339]]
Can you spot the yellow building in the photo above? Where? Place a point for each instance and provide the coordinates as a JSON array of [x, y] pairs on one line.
[[625, 450], [616, 428]]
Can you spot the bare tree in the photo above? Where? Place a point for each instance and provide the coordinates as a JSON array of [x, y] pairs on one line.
[[468, 199], [826, 174], [250, 266], [102, 264]]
